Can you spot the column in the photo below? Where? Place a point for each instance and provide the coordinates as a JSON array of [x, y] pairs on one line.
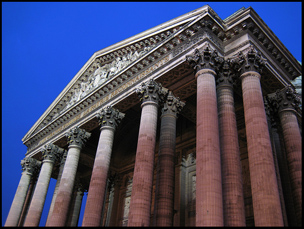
[[286, 103], [233, 197], [109, 119], [209, 201], [50, 154], [30, 166], [76, 138], [63, 158], [164, 193], [151, 94], [264, 187], [75, 205]]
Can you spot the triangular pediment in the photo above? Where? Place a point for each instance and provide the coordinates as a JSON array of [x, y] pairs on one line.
[[110, 61], [120, 62]]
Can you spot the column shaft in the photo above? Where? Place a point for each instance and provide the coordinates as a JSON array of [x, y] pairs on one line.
[[209, 202], [233, 198], [19, 200], [75, 209], [293, 144], [164, 194], [38, 199], [140, 205], [95, 199], [65, 190], [264, 187], [56, 188]]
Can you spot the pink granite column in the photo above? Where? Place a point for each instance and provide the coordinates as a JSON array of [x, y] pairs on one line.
[[264, 187], [61, 166], [164, 193], [293, 144], [140, 205], [233, 197], [76, 139], [287, 102], [109, 119], [50, 154], [75, 206], [209, 199], [29, 167]]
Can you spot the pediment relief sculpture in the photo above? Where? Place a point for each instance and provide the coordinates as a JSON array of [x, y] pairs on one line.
[[104, 73]]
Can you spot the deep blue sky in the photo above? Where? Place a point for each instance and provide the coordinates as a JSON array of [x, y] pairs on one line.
[[44, 45]]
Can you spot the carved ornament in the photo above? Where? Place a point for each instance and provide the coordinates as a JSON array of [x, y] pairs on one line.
[[172, 105], [151, 91], [287, 98], [251, 61], [103, 73], [77, 136], [110, 116], [208, 59], [51, 153], [225, 74], [30, 165]]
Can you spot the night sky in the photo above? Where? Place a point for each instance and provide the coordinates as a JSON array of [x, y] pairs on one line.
[[45, 44]]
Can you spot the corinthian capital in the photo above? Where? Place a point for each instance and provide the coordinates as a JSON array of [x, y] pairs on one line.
[[151, 91], [225, 73], [51, 153], [30, 165], [286, 98], [251, 61], [110, 116], [77, 136], [172, 105], [208, 59]]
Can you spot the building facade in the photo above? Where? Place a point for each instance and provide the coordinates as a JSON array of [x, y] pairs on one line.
[[195, 122]]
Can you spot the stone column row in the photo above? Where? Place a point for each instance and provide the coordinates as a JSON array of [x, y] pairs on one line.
[[219, 198], [50, 154], [30, 167], [76, 139], [285, 105]]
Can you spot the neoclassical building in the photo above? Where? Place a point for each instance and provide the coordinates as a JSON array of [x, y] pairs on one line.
[[194, 122]]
